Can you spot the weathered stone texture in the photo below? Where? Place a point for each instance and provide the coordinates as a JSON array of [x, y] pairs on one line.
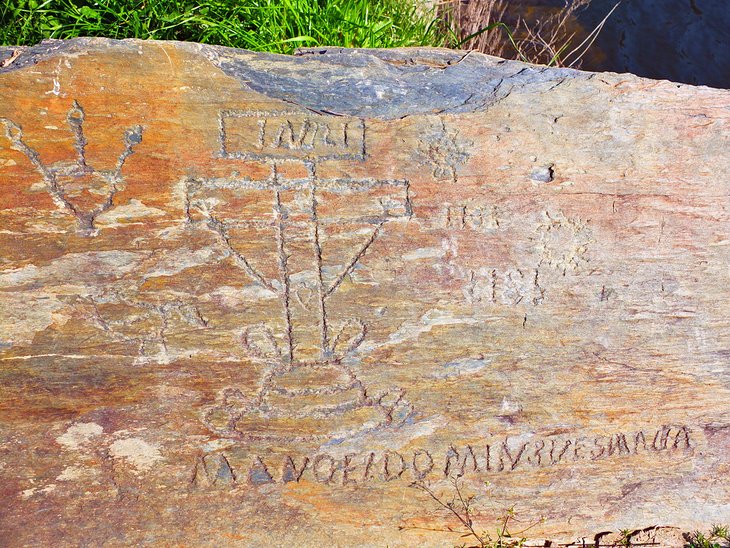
[[248, 299]]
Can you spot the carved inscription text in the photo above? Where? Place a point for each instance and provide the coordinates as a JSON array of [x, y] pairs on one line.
[[290, 135], [498, 456]]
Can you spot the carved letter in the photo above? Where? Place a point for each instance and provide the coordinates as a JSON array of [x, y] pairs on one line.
[[599, 449], [536, 457], [620, 445], [418, 471], [346, 469], [458, 463], [660, 439], [682, 438], [213, 469], [455, 216], [639, 439], [388, 474], [290, 472], [329, 472], [556, 456], [577, 446], [368, 473], [258, 474], [505, 452]]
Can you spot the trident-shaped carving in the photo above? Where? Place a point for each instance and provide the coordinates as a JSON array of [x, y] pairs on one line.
[[75, 186], [329, 344]]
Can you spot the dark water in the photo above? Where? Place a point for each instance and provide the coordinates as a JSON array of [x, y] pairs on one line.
[[680, 40]]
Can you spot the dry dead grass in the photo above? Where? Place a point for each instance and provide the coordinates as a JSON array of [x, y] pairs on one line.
[[504, 29]]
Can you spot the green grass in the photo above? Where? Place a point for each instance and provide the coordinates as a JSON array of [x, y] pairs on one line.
[[262, 25], [719, 537]]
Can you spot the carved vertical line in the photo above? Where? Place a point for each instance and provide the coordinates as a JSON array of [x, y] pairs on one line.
[[283, 265], [323, 334], [262, 132], [451, 165], [75, 118], [132, 137], [363, 150], [222, 136], [187, 183], [408, 203]]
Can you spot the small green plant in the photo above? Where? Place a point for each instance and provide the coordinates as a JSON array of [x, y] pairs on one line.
[[461, 507], [625, 537], [718, 537]]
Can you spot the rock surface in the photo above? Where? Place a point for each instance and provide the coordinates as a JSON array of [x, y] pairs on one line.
[[249, 299]]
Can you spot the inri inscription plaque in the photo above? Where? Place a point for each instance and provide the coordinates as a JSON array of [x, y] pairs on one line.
[[249, 299]]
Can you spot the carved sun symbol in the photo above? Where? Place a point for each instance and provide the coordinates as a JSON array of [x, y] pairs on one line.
[[443, 150], [563, 242]]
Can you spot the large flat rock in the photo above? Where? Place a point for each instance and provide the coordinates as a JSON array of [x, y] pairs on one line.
[[249, 299]]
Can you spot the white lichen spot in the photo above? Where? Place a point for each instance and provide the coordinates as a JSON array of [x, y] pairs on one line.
[[175, 261], [79, 434], [217, 445], [411, 330], [463, 366], [393, 439], [137, 452], [17, 276], [60, 318], [37, 490], [425, 253], [23, 315], [71, 473], [509, 407], [56, 88], [128, 212], [233, 297]]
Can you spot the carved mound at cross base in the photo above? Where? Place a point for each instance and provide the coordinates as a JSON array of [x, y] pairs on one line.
[[249, 299]]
